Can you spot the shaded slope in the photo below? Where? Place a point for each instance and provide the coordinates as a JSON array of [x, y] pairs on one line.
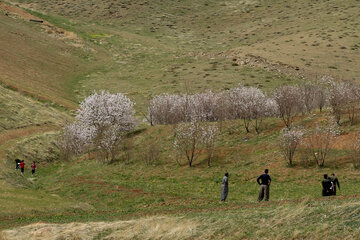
[[34, 62]]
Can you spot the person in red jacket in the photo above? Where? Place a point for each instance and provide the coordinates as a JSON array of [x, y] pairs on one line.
[[33, 167], [22, 166]]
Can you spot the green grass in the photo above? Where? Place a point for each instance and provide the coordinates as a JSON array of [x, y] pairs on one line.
[[18, 111], [158, 47], [162, 46], [133, 189]]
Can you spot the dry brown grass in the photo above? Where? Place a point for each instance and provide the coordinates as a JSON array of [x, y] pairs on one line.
[[305, 220], [22, 132], [146, 228]]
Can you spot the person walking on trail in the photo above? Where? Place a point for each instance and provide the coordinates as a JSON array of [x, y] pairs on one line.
[[327, 186], [264, 185], [33, 167], [22, 166], [225, 187], [17, 162], [335, 182]]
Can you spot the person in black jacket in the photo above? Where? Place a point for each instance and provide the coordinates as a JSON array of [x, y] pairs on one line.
[[335, 182], [327, 186], [264, 185], [17, 162]]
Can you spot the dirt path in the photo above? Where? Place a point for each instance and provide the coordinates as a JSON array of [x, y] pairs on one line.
[[52, 30]]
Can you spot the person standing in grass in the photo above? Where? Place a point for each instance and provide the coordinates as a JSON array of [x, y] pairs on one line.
[[22, 166], [225, 187], [264, 185], [17, 162], [33, 167], [335, 182], [327, 185]]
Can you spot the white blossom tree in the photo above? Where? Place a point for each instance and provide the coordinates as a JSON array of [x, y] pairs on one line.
[[102, 122], [75, 139], [337, 96], [164, 109], [188, 138], [290, 102], [266, 107], [289, 140], [240, 105], [203, 106], [319, 140], [249, 103]]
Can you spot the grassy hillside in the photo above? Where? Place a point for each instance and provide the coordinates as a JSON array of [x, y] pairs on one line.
[[129, 189], [38, 60], [22, 121], [149, 47], [304, 220], [144, 48]]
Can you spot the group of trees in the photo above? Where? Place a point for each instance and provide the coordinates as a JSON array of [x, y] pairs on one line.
[[251, 105], [104, 119], [247, 103], [316, 141]]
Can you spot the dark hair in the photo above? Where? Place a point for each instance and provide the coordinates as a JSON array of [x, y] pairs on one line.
[[266, 170], [333, 174], [227, 174], [325, 176]]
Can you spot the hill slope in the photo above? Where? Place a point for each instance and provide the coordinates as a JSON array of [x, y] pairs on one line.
[[143, 48]]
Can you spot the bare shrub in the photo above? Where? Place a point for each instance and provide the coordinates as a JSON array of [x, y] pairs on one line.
[[151, 152], [290, 102], [355, 150], [321, 96], [289, 140], [352, 98], [190, 137], [309, 92], [209, 135], [127, 147], [319, 140]]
